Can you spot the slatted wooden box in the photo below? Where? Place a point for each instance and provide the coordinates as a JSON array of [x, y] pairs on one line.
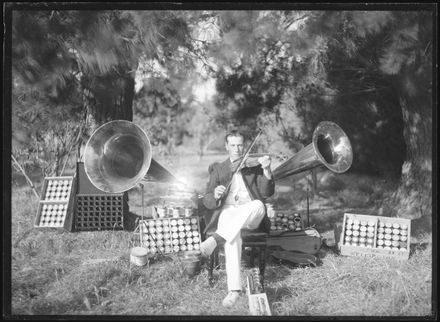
[[55, 209], [367, 235], [258, 303], [100, 212], [170, 235]]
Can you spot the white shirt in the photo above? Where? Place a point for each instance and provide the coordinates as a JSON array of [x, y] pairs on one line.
[[238, 193]]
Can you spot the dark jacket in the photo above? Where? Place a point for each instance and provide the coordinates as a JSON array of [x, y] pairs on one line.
[[258, 186]]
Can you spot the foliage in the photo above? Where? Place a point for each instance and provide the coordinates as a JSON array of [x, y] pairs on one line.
[[101, 49], [318, 66], [87, 60], [94, 42], [45, 129], [366, 104], [159, 111], [202, 126], [254, 66], [368, 71]]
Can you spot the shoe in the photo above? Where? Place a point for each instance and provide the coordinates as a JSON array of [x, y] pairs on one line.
[[231, 298], [207, 247]]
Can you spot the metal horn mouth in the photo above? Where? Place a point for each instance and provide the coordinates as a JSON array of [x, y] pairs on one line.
[[332, 147], [117, 156]]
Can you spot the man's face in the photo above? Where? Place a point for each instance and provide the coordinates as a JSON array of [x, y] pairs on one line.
[[234, 146]]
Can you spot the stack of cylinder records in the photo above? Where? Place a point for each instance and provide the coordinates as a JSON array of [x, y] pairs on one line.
[[286, 220], [366, 235], [55, 206], [170, 235]]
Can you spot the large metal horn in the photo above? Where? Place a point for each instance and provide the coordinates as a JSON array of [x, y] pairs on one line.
[[118, 156], [330, 147]]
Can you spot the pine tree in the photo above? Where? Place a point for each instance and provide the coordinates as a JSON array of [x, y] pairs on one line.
[[392, 53], [100, 50], [369, 71], [71, 64]]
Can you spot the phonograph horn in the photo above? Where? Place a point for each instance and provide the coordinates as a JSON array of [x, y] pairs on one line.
[[330, 147], [118, 156]]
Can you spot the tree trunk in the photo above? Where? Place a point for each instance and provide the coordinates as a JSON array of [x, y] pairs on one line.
[[108, 98], [413, 198]]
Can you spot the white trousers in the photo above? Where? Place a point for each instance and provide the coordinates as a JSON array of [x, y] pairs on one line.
[[231, 220]]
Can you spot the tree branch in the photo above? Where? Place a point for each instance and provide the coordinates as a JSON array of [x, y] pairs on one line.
[[295, 20], [356, 92], [25, 175]]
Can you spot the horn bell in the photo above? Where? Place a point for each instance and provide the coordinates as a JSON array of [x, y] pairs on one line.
[[330, 147], [117, 156]]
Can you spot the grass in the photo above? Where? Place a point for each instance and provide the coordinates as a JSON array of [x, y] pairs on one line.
[[55, 272], [359, 287]]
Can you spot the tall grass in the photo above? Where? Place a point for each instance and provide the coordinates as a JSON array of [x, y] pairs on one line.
[[89, 273], [354, 286]]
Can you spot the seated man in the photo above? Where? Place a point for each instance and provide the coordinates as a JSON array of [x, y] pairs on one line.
[[240, 206]]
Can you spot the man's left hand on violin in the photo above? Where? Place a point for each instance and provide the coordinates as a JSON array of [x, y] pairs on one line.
[[265, 161]]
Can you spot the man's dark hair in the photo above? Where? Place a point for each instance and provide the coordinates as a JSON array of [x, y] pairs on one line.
[[233, 133]]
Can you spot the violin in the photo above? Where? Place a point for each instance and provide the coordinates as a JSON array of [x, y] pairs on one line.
[[251, 161]]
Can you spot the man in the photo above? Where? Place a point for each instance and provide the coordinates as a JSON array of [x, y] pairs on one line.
[[240, 206]]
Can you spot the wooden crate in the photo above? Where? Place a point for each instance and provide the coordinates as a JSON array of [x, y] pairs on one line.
[[100, 211], [258, 303], [55, 209], [382, 236], [170, 235]]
